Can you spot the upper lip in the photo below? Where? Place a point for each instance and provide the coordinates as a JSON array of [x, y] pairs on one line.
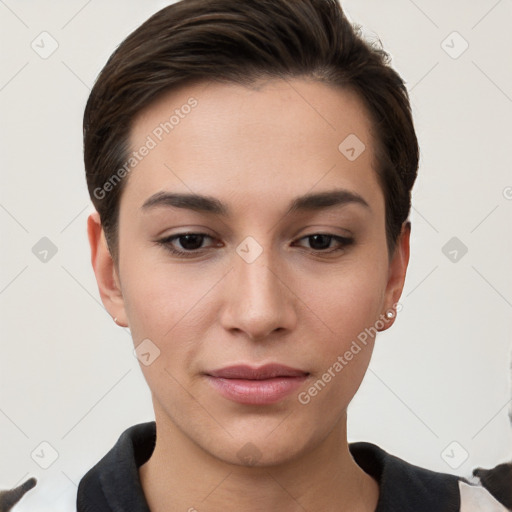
[[267, 371]]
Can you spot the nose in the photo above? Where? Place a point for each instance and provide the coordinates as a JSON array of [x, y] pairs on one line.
[[258, 298]]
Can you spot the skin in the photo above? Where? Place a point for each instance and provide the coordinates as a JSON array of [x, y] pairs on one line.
[[255, 149]]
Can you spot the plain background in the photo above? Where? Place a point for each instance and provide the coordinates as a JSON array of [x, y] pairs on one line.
[[437, 390]]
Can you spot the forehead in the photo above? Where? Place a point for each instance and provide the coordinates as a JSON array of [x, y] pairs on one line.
[[279, 138]]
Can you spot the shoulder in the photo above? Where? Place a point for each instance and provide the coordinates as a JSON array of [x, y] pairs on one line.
[[113, 483], [406, 487]]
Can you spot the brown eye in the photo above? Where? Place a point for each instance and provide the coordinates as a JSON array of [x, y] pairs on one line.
[[185, 244], [191, 242], [321, 242]]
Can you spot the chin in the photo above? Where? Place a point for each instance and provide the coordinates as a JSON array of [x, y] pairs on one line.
[[259, 446], [259, 454]]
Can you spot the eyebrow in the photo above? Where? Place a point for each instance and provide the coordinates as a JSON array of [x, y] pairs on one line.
[[208, 204]]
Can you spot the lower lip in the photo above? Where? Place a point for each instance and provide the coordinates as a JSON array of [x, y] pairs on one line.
[[256, 392]]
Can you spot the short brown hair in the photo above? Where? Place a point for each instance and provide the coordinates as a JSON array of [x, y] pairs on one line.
[[241, 42]]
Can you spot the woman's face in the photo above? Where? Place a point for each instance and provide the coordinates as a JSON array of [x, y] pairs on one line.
[[270, 276]]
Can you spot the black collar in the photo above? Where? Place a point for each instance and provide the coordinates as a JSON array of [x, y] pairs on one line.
[[113, 484]]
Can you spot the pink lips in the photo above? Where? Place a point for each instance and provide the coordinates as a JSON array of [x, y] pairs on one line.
[[256, 386]]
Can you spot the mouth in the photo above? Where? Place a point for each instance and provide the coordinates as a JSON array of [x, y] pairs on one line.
[[263, 385]]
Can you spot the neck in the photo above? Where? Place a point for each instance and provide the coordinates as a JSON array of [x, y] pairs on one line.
[[181, 476]]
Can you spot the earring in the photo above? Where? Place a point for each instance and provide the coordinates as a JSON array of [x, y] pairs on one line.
[[390, 314]]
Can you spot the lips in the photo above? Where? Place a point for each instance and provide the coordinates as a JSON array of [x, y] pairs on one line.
[[269, 371], [263, 385]]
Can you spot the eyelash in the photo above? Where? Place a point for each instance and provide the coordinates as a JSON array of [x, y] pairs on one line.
[[166, 243]]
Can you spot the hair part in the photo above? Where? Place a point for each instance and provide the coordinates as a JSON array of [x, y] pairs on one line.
[[243, 43]]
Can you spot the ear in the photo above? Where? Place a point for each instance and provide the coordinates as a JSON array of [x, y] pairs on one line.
[[105, 271], [397, 272]]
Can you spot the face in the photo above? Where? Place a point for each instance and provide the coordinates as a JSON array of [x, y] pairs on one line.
[[249, 237]]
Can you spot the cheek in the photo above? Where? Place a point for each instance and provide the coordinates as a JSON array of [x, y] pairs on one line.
[[161, 299], [171, 309], [346, 301], [169, 304], [347, 305]]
